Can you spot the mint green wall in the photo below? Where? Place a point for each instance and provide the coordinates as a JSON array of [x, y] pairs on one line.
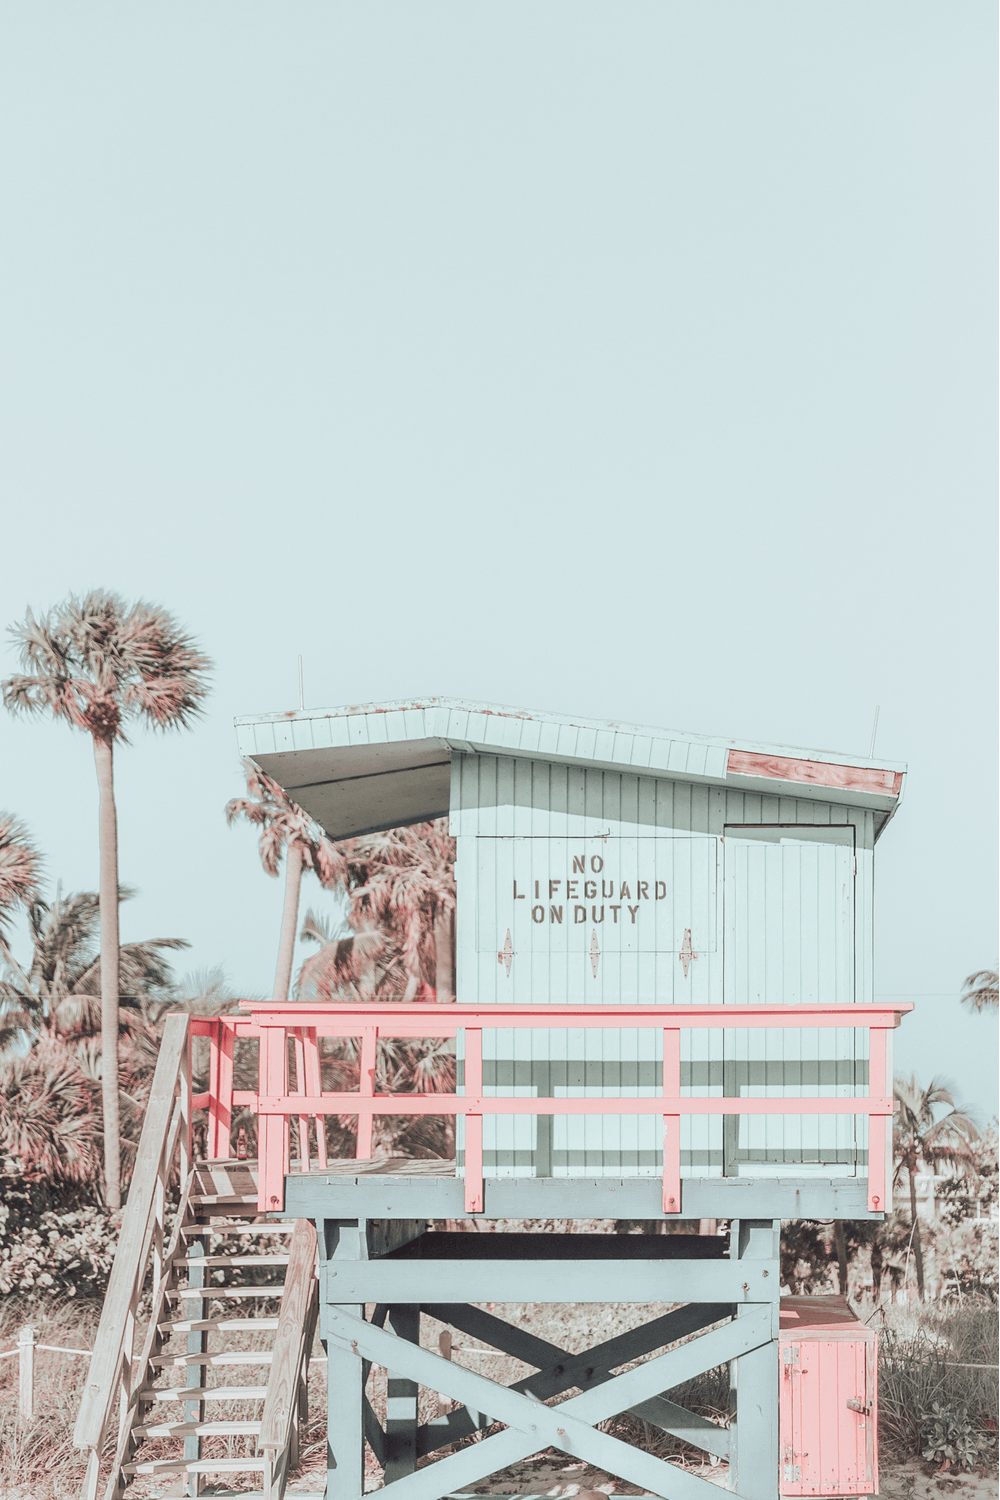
[[774, 914]]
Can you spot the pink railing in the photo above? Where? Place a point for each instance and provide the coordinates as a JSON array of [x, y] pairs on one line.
[[275, 1105]]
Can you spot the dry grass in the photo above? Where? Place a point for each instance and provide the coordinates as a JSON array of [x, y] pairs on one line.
[[922, 1354], [932, 1353]]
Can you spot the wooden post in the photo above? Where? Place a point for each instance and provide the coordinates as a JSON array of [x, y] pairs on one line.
[[194, 1375], [753, 1428], [672, 1123], [878, 1086], [272, 1143], [26, 1341], [366, 1087], [300, 1088], [401, 1407], [474, 1122], [314, 1087]]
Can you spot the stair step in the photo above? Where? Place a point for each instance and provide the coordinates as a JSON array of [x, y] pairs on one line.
[[231, 1260], [202, 1293], [224, 1325], [201, 1200], [241, 1357], [216, 1226], [197, 1429], [197, 1466], [205, 1393]]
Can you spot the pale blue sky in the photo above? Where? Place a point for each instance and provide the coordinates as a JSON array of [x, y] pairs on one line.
[[633, 360]]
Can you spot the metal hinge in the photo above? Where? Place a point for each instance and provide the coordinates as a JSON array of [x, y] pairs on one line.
[[793, 1473], [791, 1354]]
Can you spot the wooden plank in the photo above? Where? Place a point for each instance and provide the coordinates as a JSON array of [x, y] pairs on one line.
[[105, 1363], [433, 1197], [287, 1354], [815, 772]]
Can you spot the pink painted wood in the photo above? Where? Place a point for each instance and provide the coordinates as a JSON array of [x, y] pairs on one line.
[[313, 1085], [272, 1131], [671, 1123], [366, 1089], [877, 1124], [300, 1087], [473, 1121], [275, 1105]]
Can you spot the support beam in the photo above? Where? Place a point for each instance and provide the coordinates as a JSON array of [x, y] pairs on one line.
[[424, 1281], [345, 1449], [401, 1401], [753, 1430], [395, 1196]]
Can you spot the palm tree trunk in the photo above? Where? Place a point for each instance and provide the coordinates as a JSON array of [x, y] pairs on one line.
[[876, 1271], [289, 921], [108, 837], [444, 969], [840, 1241], [918, 1253]]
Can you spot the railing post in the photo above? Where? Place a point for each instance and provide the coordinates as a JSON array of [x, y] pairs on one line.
[[184, 1091], [300, 1088], [272, 1130], [314, 1087], [671, 1123], [26, 1341], [879, 1136], [366, 1088], [473, 1122]]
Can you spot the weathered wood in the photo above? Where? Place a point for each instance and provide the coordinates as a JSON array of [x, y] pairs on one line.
[[429, 1195], [753, 1431], [288, 1351], [401, 1400], [535, 1280], [140, 1396], [558, 1370], [534, 1426], [105, 1364]]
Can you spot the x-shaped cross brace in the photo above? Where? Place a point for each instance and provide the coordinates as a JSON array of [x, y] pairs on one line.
[[558, 1370], [532, 1426]]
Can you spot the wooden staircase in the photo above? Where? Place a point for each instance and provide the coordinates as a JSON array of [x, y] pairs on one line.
[[215, 1391]]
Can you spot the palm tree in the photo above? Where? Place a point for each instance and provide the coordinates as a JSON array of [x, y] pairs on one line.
[[98, 664], [919, 1137], [403, 881], [285, 828], [20, 866], [981, 991], [56, 994]]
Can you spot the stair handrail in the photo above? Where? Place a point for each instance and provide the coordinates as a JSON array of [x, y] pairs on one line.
[[283, 1403], [166, 1130]]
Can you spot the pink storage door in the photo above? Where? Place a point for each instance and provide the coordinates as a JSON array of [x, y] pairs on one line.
[[827, 1402]]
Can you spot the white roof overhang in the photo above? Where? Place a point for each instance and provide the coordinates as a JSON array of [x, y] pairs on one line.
[[384, 765]]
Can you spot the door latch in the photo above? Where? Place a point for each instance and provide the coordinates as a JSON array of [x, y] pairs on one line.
[[859, 1407]]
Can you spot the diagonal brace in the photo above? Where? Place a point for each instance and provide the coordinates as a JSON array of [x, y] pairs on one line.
[[567, 1427], [562, 1370]]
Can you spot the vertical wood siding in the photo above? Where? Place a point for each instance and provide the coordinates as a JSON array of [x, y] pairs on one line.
[[772, 915]]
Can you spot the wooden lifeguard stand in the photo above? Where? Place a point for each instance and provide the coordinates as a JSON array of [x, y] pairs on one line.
[[664, 1013]]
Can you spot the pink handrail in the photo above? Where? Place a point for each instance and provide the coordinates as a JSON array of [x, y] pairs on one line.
[[305, 1024]]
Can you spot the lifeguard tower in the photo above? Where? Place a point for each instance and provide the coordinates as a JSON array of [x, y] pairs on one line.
[[663, 1013]]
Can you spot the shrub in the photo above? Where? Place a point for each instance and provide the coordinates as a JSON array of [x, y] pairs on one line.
[[947, 1433], [53, 1245]]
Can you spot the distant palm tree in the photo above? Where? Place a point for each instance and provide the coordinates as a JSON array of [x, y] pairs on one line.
[[98, 664], [48, 1125], [918, 1137], [981, 991], [286, 828], [20, 866], [403, 881], [56, 993]]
